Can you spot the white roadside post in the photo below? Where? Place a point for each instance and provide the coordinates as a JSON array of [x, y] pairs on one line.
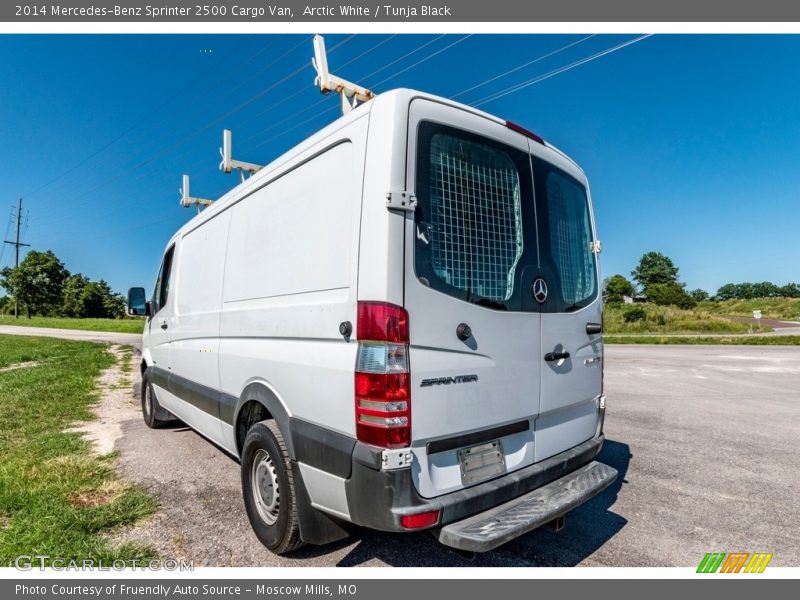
[[757, 317]]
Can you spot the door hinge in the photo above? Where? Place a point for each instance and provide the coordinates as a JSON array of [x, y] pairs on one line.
[[401, 200], [396, 458]]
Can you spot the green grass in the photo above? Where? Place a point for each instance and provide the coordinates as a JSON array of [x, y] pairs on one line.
[[126, 355], [669, 319], [739, 340], [131, 325], [771, 308], [56, 496]]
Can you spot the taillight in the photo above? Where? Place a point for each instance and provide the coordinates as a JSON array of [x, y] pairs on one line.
[[383, 379], [382, 322]]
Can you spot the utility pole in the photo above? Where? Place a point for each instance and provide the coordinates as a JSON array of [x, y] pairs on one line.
[[17, 244]]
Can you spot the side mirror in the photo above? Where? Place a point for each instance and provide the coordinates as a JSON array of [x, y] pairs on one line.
[[138, 306]]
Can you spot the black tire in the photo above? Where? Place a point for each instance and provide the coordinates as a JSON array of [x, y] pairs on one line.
[[272, 509], [150, 406]]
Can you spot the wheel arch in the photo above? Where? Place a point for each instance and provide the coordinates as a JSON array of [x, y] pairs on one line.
[[257, 402]]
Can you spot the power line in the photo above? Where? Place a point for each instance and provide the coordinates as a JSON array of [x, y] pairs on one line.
[[5, 236], [261, 51], [522, 66], [139, 122], [559, 71], [204, 106], [305, 87], [490, 98], [300, 91], [263, 68], [335, 47], [200, 130], [397, 60], [365, 77], [419, 62]]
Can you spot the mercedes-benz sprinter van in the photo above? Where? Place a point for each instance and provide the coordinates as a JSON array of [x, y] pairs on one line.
[[396, 324]]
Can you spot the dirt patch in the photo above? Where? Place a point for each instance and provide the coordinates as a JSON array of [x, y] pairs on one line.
[[105, 494], [116, 404], [21, 365]]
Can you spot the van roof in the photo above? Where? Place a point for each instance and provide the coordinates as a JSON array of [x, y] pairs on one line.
[[399, 95]]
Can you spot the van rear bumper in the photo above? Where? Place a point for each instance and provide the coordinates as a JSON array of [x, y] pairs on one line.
[[496, 526], [377, 499]]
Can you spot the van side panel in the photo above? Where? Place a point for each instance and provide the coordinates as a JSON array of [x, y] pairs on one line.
[[194, 346], [293, 236], [290, 279], [195, 336]]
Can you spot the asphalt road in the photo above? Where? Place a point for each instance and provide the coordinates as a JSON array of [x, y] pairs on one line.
[[125, 339], [704, 439]]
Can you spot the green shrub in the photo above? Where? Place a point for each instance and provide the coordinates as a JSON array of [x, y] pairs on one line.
[[634, 314], [669, 294]]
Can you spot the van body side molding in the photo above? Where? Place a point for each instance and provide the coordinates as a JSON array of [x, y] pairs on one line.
[[322, 448], [210, 401]]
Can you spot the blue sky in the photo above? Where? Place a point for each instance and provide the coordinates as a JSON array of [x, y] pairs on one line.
[[690, 143]]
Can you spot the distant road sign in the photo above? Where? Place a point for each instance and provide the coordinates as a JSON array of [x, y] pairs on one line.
[[757, 314]]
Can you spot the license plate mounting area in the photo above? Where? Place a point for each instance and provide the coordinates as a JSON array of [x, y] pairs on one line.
[[481, 462]]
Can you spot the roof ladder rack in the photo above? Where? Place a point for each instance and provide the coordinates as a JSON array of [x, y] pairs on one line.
[[228, 164], [351, 94], [186, 198]]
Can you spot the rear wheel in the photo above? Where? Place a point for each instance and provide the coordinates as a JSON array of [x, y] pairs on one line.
[[268, 488], [150, 406]]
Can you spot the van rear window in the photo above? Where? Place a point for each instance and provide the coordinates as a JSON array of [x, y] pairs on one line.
[[470, 237], [491, 218], [565, 236]]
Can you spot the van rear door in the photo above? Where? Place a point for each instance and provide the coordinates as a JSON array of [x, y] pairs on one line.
[[572, 310], [475, 329]]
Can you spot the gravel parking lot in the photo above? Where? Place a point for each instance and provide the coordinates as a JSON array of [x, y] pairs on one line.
[[703, 437]]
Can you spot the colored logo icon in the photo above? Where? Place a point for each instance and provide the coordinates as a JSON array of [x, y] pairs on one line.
[[735, 562]]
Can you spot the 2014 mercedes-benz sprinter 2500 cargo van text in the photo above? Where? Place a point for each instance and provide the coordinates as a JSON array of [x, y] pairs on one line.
[[396, 324]]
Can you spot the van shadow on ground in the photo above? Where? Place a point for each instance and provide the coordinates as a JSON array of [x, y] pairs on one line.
[[588, 527]]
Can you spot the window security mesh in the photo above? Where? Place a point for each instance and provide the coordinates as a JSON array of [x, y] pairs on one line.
[[570, 238], [476, 217]]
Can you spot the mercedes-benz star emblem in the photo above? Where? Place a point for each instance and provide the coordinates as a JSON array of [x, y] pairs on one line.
[[540, 290]]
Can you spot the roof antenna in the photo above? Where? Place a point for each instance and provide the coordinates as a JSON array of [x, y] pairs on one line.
[[186, 198], [228, 164], [351, 94]]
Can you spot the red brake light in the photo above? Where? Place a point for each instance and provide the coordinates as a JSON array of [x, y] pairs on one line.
[[382, 322], [420, 520], [382, 378], [525, 132]]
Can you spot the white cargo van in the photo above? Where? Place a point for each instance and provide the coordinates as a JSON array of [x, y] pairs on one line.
[[396, 324]]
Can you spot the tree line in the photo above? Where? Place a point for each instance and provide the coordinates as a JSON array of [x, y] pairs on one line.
[[42, 285], [656, 278], [764, 289]]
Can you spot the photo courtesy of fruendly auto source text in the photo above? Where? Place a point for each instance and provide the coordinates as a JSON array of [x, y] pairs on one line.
[[372, 301]]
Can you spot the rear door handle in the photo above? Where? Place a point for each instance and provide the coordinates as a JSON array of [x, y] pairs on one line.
[[554, 356], [593, 328], [164, 325]]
